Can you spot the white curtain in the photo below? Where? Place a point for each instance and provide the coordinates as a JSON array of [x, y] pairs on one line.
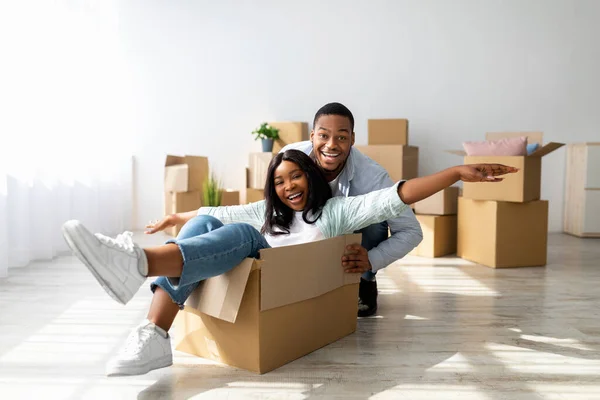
[[64, 125]]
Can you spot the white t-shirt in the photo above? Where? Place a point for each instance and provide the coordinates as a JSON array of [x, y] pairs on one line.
[[334, 186], [300, 232]]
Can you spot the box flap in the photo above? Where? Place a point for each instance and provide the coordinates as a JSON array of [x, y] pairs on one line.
[[176, 178], [290, 274], [221, 295], [532, 137], [548, 148], [173, 160], [457, 152]]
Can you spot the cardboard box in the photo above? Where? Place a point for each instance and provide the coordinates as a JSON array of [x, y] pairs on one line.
[[254, 195], [401, 162], [520, 187], [185, 174], [503, 234], [289, 132], [181, 202], [439, 236], [388, 131], [258, 166], [265, 313], [444, 202], [230, 197]]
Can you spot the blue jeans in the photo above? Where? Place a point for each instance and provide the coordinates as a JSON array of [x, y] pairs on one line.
[[209, 248], [372, 235]]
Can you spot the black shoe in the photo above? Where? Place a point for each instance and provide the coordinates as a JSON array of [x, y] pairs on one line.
[[367, 298]]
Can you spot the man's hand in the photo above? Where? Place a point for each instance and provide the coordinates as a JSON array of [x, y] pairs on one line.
[[157, 226], [356, 259]]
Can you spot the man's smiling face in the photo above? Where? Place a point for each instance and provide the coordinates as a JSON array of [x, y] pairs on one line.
[[332, 139]]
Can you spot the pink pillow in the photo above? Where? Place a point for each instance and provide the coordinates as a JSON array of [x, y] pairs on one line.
[[516, 146]]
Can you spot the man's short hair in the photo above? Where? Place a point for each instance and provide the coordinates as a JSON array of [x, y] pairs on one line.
[[335, 109]]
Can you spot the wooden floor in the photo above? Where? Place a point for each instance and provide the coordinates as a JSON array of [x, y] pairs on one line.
[[446, 329]]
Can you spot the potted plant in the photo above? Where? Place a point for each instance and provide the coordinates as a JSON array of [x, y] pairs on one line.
[[267, 134], [211, 189]]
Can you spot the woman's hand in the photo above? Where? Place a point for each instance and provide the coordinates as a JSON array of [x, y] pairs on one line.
[[484, 172], [167, 222]]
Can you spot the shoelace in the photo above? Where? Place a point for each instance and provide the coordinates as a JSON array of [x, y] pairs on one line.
[[123, 241], [137, 339]]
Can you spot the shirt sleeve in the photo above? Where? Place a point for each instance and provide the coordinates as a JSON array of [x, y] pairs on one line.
[[406, 234], [252, 214], [350, 214]]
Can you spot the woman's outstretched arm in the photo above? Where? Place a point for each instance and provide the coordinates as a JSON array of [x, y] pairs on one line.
[[418, 189]]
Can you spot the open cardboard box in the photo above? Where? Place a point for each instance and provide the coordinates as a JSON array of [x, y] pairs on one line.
[[265, 313], [520, 187]]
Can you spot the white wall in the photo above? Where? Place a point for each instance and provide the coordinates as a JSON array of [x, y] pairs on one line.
[[205, 73]]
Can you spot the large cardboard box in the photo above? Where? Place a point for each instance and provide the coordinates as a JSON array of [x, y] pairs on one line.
[[265, 313], [230, 197], [181, 202], [444, 202], [503, 234], [388, 131], [439, 236], [289, 132], [520, 187], [258, 166], [185, 174], [401, 162]]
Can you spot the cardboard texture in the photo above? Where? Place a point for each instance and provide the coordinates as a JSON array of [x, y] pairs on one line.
[[181, 202], [439, 236], [271, 326], [289, 132], [258, 166], [388, 131], [401, 162], [230, 197], [444, 202], [501, 234], [520, 187], [185, 174], [254, 195]]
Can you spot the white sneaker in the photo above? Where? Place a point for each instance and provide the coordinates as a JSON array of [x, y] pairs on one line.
[[115, 263], [146, 349]]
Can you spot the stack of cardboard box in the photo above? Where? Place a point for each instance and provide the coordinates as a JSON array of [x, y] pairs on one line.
[[183, 186], [437, 216], [258, 163], [505, 224], [388, 146], [184, 178]]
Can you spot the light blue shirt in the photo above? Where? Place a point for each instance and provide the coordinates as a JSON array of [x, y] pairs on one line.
[[340, 215]]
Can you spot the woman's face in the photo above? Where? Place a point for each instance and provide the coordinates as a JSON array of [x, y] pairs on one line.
[[291, 185]]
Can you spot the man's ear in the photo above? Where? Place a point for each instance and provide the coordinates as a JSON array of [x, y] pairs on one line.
[[312, 133], [352, 139]]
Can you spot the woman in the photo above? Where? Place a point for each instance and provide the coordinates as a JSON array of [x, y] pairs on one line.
[[298, 208]]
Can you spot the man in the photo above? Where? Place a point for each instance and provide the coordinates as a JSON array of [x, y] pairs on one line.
[[351, 173]]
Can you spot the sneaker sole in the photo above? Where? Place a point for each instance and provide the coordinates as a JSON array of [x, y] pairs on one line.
[[162, 362], [105, 285]]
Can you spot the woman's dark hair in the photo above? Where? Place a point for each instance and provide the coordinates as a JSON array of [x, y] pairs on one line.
[[277, 214]]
